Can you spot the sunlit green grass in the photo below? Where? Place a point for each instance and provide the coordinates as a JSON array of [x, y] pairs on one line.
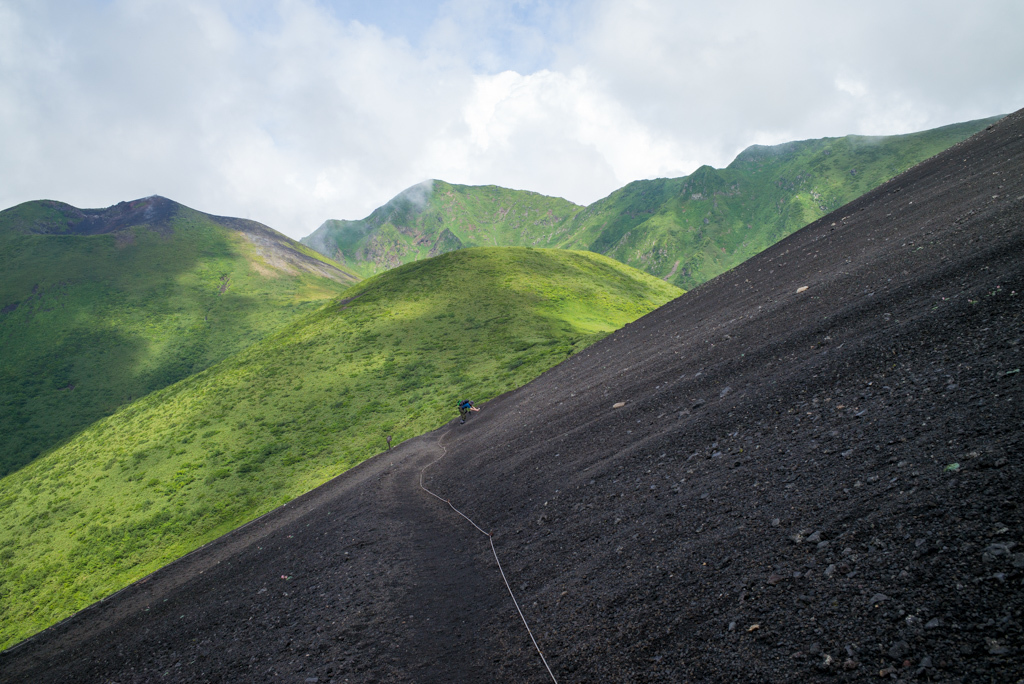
[[189, 462], [688, 230], [90, 322]]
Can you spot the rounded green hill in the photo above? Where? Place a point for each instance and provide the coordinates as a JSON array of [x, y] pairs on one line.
[[187, 463]]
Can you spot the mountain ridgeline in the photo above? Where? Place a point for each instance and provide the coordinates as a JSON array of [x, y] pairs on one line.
[[684, 230], [99, 307]]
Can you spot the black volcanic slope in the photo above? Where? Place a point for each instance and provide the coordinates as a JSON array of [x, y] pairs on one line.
[[818, 484]]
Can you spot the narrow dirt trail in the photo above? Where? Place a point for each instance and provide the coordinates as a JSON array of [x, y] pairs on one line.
[[451, 593], [487, 535]]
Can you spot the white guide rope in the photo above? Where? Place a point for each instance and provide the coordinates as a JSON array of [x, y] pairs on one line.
[[444, 452]]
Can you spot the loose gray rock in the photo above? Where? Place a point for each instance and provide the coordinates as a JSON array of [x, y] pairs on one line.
[[878, 598], [995, 647], [899, 650], [994, 551]]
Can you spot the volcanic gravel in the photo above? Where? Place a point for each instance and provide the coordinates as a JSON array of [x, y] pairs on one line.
[[815, 475]]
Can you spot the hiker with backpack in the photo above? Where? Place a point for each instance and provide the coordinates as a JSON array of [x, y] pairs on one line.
[[465, 406]]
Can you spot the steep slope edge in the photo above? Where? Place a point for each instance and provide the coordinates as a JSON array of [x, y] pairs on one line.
[[817, 469]]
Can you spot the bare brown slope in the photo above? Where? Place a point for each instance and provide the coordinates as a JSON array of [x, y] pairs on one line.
[[772, 503]]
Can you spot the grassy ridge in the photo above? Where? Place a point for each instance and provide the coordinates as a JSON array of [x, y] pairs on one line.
[[690, 229], [186, 463], [686, 230], [89, 322]]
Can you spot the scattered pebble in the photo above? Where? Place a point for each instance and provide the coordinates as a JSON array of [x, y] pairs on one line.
[[878, 598], [898, 650]]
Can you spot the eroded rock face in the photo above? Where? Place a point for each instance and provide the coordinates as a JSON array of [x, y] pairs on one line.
[[447, 241], [383, 252]]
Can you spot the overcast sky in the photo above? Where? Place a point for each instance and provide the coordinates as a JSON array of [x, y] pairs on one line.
[[297, 111]]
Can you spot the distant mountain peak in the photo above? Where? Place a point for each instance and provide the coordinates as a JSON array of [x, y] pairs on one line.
[[50, 217], [157, 213]]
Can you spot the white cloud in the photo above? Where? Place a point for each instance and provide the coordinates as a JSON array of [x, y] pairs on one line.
[[726, 73], [290, 112], [560, 127], [851, 86]]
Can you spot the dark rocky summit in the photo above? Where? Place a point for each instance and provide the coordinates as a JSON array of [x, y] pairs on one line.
[[815, 475]]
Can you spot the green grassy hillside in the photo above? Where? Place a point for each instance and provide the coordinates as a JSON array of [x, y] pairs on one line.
[[437, 217], [688, 230], [187, 463], [100, 307], [685, 230]]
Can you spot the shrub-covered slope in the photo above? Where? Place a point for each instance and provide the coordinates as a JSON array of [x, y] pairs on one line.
[[189, 462], [685, 230], [100, 307]]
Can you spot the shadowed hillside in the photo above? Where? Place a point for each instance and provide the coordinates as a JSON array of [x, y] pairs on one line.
[[807, 469], [99, 307]]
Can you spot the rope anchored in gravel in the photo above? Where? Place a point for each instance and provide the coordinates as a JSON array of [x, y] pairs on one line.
[[490, 540]]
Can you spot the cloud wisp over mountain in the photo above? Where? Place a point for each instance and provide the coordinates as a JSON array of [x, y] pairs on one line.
[[292, 112]]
